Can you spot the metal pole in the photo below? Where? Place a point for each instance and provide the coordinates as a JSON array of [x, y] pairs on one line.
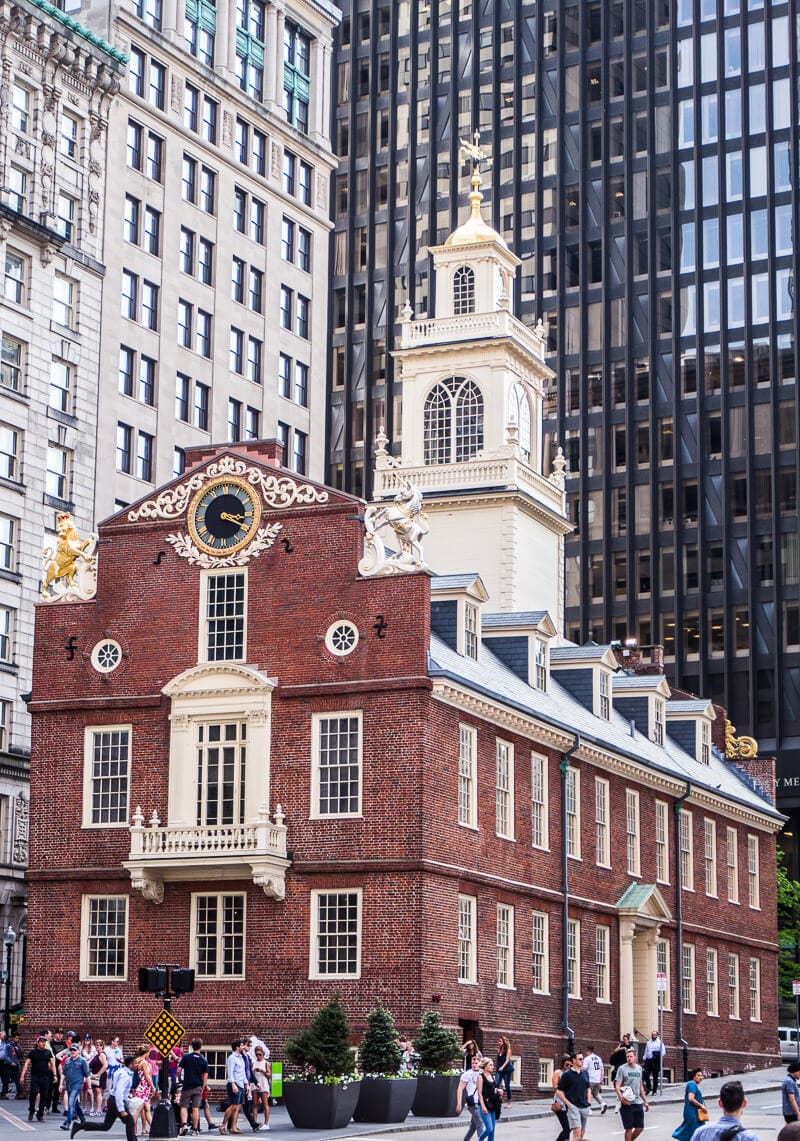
[[797, 1023], [661, 1039], [7, 1014]]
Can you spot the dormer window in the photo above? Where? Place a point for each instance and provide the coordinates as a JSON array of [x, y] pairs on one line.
[[705, 743], [453, 421], [463, 290], [471, 632], [540, 663], [605, 695], [658, 721]]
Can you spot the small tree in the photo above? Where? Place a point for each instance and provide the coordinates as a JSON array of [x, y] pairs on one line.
[[323, 1050], [379, 1052], [436, 1045]]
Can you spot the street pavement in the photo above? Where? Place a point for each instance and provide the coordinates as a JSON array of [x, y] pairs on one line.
[[528, 1120]]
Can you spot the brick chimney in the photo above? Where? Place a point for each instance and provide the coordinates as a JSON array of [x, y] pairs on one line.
[[270, 451]]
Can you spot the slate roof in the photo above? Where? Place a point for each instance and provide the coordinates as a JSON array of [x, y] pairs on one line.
[[591, 652], [637, 681], [509, 621], [693, 706], [452, 581], [491, 678]]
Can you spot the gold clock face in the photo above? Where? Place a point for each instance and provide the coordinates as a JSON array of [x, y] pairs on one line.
[[224, 516]]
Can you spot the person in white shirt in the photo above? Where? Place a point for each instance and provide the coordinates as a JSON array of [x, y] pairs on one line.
[[593, 1068], [651, 1062], [468, 1094]]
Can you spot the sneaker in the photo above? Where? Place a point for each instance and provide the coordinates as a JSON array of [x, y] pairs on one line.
[[184, 1131], [261, 1128]]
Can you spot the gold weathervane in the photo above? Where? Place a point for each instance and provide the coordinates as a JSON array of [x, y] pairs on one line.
[[738, 747]]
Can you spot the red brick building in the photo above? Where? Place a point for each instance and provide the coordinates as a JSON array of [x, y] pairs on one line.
[[296, 776]]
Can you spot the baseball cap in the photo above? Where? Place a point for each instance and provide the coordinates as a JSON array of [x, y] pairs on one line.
[[74, 1046]]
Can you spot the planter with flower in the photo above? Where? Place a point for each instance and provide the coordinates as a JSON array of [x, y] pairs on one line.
[[437, 1077], [386, 1091], [324, 1093]]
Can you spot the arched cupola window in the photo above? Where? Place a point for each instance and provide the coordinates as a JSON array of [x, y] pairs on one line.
[[464, 290], [519, 410], [453, 421]]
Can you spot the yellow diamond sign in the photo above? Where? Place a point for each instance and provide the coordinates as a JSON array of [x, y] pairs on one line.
[[164, 1032]]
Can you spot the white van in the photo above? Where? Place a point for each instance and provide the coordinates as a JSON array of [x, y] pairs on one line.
[[787, 1036]]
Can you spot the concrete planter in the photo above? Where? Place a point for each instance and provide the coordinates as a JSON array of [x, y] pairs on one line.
[[436, 1096], [385, 1099], [312, 1106]]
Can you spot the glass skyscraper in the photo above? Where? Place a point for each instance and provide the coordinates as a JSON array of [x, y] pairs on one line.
[[645, 170]]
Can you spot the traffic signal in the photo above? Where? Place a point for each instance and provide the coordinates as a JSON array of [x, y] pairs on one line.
[[182, 980], [152, 979]]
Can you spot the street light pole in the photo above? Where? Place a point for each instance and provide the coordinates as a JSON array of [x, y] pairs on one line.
[[9, 939]]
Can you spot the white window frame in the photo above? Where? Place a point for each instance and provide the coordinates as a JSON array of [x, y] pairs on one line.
[[472, 628], [540, 664], [734, 1002], [85, 957], [89, 735], [604, 694], [467, 776], [662, 841], [466, 920], [193, 937], [504, 789], [686, 844], [203, 633], [602, 826], [754, 975], [574, 957], [572, 791], [317, 719], [712, 983], [505, 947], [658, 720], [633, 853], [540, 951], [732, 864], [313, 955], [689, 979], [710, 855], [540, 825], [603, 963], [753, 873], [704, 742], [663, 964]]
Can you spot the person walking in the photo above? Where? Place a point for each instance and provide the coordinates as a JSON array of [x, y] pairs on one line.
[[13, 1054], [467, 1094], [733, 1103], [490, 1099], [790, 1093], [117, 1106], [652, 1059], [194, 1072], [632, 1097], [236, 1086], [504, 1066], [558, 1106], [593, 1068], [74, 1073], [43, 1070], [693, 1107], [572, 1091], [618, 1058], [262, 1072]]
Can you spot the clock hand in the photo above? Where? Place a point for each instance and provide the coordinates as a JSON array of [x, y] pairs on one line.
[[231, 518]]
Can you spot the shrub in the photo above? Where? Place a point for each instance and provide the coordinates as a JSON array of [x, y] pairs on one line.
[[379, 1053], [437, 1046], [323, 1049]]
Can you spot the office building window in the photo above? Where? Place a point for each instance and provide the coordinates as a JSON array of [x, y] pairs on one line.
[[200, 28], [57, 475], [10, 441], [124, 448], [8, 558], [11, 363], [15, 281], [144, 457], [60, 394], [296, 77]]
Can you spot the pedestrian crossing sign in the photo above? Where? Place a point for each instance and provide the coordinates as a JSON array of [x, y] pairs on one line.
[[164, 1032]]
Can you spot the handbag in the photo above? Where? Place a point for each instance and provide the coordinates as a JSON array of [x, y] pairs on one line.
[[702, 1113]]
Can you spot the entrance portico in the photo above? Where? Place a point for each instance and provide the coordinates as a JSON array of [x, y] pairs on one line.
[[642, 909]]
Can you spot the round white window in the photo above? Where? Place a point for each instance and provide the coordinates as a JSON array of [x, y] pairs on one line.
[[106, 656], [341, 638]]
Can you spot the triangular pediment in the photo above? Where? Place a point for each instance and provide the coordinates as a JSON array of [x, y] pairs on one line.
[[644, 901]]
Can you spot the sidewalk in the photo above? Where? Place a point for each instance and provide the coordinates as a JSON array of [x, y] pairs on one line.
[[14, 1114]]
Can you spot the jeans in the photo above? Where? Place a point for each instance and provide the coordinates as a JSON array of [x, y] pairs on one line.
[[475, 1122], [40, 1086], [489, 1121], [112, 1113], [74, 1105]]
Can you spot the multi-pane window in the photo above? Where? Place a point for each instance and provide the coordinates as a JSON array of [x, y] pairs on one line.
[[234, 419], [109, 764], [202, 333], [150, 293], [505, 945], [252, 423], [573, 813], [144, 457], [236, 355], [299, 452], [5, 722], [136, 71], [539, 821], [540, 952], [218, 930], [705, 742], [57, 474], [124, 448], [255, 289], [21, 100], [17, 188], [131, 219], [574, 958], [296, 78], [467, 776], [732, 864], [712, 983], [15, 279], [662, 840], [733, 986], [9, 452], [658, 721], [471, 623], [134, 147], [65, 293], [221, 773], [225, 617], [685, 841], [8, 561], [154, 157], [467, 939], [710, 855], [6, 633], [69, 135], [337, 756], [150, 13], [200, 408], [464, 290], [250, 34], [66, 214], [662, 967], [189, 179], [504, 789], [687, 967], [632, 845], [255, 356], [540, 664], [753, 877], [157, 85], [335, 934], [178, 461], [602, 823], [453, 421], [755, 990], [182, 389], [200, 29], [11, 361], [185, 316], [104, 944], [602, 962]]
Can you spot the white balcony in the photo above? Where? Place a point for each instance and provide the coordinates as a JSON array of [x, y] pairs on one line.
[[217, 852], [471, 327]]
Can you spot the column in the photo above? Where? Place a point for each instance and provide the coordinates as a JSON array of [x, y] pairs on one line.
[[170, 20], [277, 55], [652, 971], [626, 934], [270, 58]]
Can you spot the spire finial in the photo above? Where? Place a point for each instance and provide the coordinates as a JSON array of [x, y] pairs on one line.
[[475, 153]]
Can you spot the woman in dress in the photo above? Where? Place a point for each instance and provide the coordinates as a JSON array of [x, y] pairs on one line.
[[89, 1055], [261, 1076], [143, 1092], [489, 1098], [558, 1105], [504, 1067], [692, 1100]]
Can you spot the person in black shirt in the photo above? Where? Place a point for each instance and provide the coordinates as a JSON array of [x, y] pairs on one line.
[[43, 1071], [194, 1070], [573, 1090]]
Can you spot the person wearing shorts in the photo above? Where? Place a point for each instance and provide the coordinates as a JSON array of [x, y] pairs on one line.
[[572, 1091], [194, 1071], [632, 1099]]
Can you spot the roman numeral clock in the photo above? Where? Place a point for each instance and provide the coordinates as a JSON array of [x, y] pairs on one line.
[[224, 516]]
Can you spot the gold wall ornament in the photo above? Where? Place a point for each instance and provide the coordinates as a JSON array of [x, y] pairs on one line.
[[69, 569], [738, 747]]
